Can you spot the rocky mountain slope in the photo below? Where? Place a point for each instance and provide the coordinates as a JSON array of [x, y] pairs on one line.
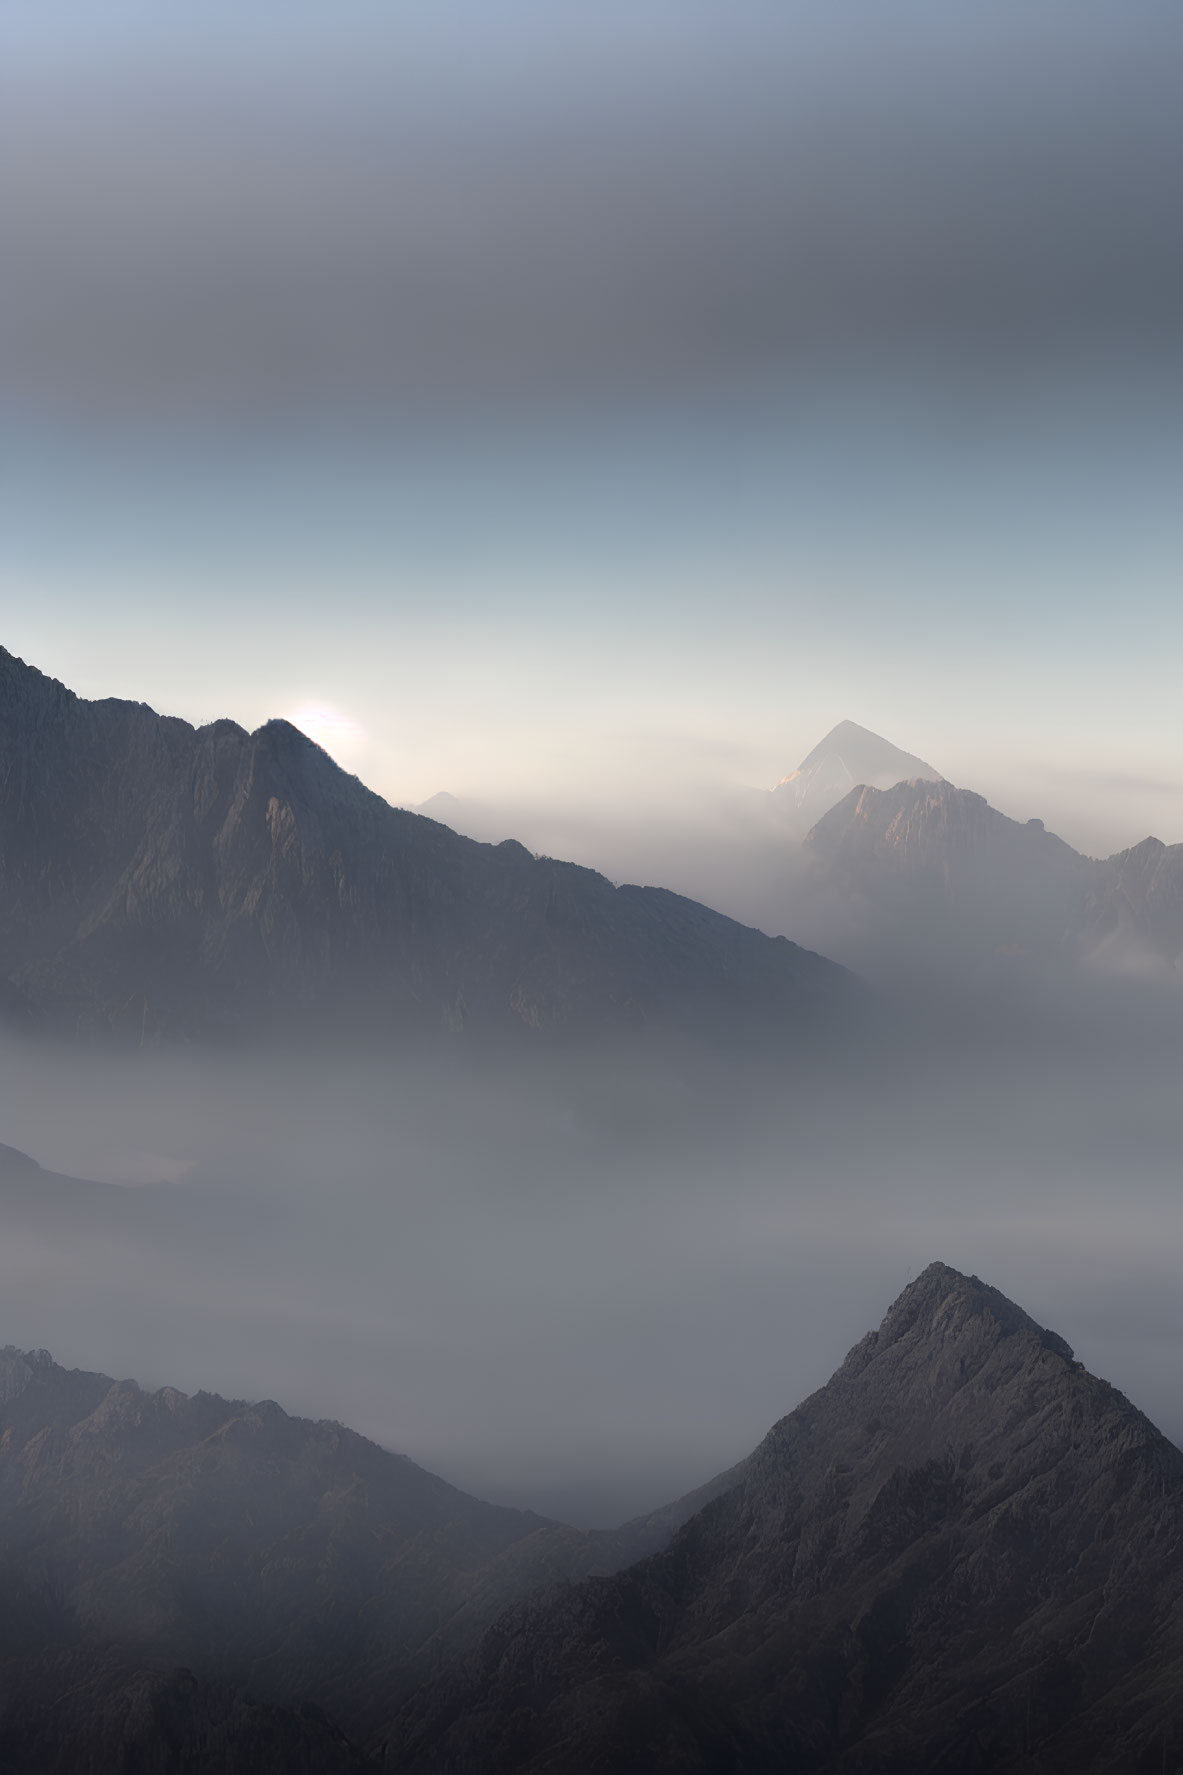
[[160, 878], [964, 1553], [292, 1559], [258, 1548], [926, 872], [933, 871]]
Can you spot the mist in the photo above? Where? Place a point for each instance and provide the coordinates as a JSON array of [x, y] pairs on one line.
[[587, 1283]]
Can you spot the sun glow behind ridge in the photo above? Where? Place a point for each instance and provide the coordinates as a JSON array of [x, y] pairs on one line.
[[331, 728]]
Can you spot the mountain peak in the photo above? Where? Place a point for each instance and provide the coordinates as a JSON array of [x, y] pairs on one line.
[[941, 1297], [960, 1543], [867, 757], [846, 758], [175, 880]]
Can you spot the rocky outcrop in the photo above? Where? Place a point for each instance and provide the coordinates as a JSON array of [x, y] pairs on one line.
[[964, 1552], [156, 878]]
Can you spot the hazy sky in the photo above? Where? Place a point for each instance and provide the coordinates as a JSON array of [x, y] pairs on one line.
[[576, 399]]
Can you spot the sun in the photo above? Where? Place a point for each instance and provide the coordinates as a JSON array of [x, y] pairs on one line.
[[339, 734]]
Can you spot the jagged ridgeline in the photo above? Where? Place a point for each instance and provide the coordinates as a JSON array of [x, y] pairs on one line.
[[934, 873], [161, 879], [963, 1553]]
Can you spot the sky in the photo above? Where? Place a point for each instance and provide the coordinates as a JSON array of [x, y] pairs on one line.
[[593, 405], [529, 401]]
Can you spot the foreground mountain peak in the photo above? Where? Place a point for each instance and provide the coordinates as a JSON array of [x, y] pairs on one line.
[[957, 1554], [941, 1298]]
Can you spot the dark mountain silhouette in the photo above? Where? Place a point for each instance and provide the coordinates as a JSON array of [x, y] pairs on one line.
[[963, 1553], [81, 1712], [291, 1559], [261, 1549], [160, 878]]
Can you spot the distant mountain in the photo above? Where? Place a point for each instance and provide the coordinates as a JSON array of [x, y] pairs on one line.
[[932, 871], [156, 878], [28, 1193], [962, 1554], [929, 872], [1135, 913], [849, 756]]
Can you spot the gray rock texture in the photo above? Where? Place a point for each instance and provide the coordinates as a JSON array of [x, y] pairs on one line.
[[963, 1553], [160, 879]]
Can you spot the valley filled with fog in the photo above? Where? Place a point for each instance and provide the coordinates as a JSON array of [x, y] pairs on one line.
[[584, 1282]]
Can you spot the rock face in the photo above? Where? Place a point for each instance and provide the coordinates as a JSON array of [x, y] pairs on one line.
[[963, 1553], [160, 878], [848, 757]]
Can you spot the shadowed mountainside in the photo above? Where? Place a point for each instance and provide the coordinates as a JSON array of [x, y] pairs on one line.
[[160, 878], [79, 1712], [962, 1553], [295, 1559]]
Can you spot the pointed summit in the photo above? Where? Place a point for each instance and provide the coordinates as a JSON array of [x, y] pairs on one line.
[[849, 755], [158, 880], [960, 1553]]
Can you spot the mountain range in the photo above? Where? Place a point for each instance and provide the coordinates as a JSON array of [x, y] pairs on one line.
[[963, 1553], [869, 854], [161, 879], [925, 871], [295, 1560]]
